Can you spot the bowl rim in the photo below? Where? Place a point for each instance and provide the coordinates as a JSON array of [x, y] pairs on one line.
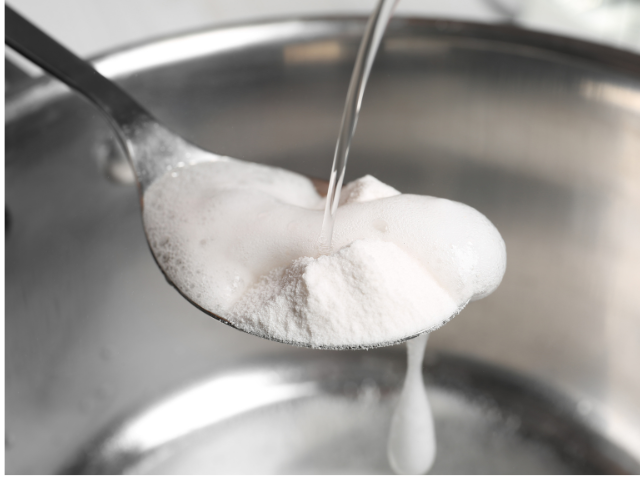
[[116, 63]]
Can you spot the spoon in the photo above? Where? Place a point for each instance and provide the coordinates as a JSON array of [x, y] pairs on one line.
[[152, 149], [149, 146]]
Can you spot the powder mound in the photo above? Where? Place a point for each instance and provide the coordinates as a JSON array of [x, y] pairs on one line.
[[366, 189], [241, 241], [369, 292]]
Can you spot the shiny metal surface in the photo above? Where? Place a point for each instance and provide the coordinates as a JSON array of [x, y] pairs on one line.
[[541, 134], [317, 416], [150, 148]]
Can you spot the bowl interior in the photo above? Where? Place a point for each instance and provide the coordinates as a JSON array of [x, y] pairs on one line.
[[540, 134]]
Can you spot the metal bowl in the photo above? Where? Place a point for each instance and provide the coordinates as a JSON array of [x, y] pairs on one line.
[[109, 370]]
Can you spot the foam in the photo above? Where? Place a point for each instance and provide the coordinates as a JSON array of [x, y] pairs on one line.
[[240, 239]]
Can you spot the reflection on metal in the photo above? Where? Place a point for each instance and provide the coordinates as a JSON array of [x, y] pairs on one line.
[[510, 133], [334, 418], [113, 163], [316, 52], [197, 45], [202, 405], [616, 95], [410, 45]]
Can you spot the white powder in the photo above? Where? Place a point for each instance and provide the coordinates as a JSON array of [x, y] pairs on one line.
[[369, 292], [240, 240]]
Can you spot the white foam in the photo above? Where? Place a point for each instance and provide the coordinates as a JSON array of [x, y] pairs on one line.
[[240, 239]]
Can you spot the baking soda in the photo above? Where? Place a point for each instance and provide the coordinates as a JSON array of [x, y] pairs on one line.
[[240, 240], [369, 292]]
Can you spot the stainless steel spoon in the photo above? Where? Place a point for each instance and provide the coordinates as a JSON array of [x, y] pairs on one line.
[[151, 148]]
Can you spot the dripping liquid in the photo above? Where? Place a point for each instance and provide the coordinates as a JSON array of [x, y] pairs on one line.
[[411, 446], [411, 443]]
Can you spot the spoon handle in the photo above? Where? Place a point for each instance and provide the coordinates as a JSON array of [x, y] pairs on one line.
[[122, 111]]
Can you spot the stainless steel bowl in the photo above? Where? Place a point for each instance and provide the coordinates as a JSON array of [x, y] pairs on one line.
[[109, 370]]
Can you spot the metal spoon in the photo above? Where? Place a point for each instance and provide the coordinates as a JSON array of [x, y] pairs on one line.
[[150, 147]]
